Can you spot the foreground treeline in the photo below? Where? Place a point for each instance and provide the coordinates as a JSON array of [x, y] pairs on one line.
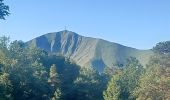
[[135, 82], [28, 73]]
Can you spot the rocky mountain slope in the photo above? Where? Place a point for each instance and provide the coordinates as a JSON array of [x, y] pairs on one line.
[[87, 51]]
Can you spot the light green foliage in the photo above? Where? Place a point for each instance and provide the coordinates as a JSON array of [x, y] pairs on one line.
[[113, 90], [130, 78], [155, 82], [151, 83], [5, 87], [57, 95], [53, 79], [122, 85], [39, 70]]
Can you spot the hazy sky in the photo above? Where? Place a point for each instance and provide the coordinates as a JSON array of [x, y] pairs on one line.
[[135, 23]]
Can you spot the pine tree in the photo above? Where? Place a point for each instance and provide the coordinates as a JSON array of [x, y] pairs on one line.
[[53, 80], [5, 87], [57, 95], [113, 90]]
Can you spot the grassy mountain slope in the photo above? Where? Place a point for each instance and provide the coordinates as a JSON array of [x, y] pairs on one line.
[[86, 51]]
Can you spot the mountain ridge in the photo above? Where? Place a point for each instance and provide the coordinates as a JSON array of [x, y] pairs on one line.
[[87, 51]]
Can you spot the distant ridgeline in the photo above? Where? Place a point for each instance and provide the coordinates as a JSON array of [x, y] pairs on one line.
[[87, 51]]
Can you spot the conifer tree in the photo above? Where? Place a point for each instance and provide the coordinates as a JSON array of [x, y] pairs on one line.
[[5, 87], [53, 80], [113, 90], [57, 94]]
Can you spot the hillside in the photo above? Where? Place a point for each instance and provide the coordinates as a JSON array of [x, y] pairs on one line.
[[87, 51]]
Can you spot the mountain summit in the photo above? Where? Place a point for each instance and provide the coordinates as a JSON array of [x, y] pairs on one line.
[[87, 51]]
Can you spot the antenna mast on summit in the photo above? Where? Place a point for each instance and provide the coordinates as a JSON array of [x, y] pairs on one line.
[[65, 27]]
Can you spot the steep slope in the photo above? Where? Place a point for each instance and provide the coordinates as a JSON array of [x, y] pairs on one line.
[[86, 51]]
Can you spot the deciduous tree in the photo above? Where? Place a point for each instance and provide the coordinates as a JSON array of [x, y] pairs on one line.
[[4, 10]]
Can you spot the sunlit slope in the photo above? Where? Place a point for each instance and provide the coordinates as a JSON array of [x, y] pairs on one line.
[[88, 52]]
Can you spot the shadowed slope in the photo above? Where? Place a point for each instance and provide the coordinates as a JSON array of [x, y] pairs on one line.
[[88, 52]]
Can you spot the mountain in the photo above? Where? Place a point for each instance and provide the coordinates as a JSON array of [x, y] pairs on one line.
[[87, 51]]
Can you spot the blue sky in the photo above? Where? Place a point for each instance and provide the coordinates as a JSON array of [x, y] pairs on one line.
[[135, 23]]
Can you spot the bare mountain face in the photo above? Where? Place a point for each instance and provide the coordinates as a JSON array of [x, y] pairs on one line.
[[88, 52]]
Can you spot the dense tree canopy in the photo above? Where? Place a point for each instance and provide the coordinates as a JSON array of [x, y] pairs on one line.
[[162, 47], [138, 83], [155, 82], [28, 73], [89, 85], [113, 89], [124, 81]]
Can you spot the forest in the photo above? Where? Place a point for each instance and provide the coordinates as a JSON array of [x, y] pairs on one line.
[[28, 73]]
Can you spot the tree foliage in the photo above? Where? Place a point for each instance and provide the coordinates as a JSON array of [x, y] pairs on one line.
[[89, 85], [155, 82], [5, 87], [28, 73], [4, 10], [123, 82], [113, 90], [54, 78], [24, 72], [57, 95], [138, 83], [162, 47]]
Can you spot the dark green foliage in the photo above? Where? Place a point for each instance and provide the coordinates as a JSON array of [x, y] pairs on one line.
[[110, 71], [33, 74], [89, 85], [162, 47], [67, 72], [5, 87], [28, 73], [28, 77], [4, 10]]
